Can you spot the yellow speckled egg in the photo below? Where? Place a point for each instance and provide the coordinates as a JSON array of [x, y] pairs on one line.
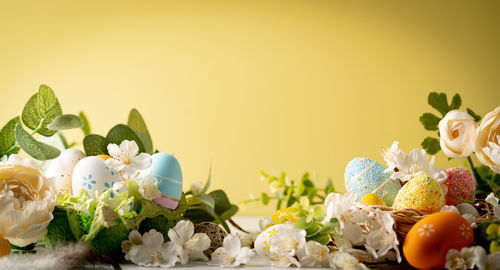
[[372, 199], [422, 193], [262, 243]]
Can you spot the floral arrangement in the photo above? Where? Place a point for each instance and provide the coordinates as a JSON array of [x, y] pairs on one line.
[[122, 200]]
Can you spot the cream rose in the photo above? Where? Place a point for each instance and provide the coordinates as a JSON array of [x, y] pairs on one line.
[[27, 200], [487, 140], [457, 133]]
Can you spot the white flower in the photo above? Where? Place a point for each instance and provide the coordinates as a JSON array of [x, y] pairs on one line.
[[191, 245], [314, 255], [134, 239], [148, 187], [285, 245], [27, 200], [416, 163], [197, 187], [340, 206], [125, 159], [265, 223], [344, 260], [231, 253], [381, 240], [467, 258], [487, 140], [491, 199], [152, 251], [456, 132]]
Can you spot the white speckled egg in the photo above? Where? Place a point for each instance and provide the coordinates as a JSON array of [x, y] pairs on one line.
[[167, 170], [262, 243], [61, 169], [363, 176], [92, 174]]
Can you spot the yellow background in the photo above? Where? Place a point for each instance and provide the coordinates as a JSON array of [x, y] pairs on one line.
[[248, 85]]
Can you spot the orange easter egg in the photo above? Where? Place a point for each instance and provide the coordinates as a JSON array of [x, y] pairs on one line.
[[105, 157], [429, 240]]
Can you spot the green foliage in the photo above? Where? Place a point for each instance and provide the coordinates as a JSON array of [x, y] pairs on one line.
[[430, 121], [122, 132], [85, 123], [8, 138], [94, 145], [431, 145], [34, 148], [42, 114], [138, 125], [58, 230], [476, 117], [310, 219], [65, 121], [210, 207], [286, 191]]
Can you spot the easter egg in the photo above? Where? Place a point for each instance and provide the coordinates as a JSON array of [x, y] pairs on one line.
[[363, 176], [105, 157], [215, 232], [61, 169], [372, 199], [282, 216], [428, 241], [92, 174], [422, 193], [460, 185], [167, 170], [262, 242]]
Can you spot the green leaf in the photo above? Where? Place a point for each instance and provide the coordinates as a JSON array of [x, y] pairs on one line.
[[8, 137], [431, 145], [206, 200], [439, 102], [85, 123], [65, 121], [456, 102], [95, 145], [264, 198], [215, 216], [40, 110], [222, 203], [302, 223], [476, 117], [329, 188], [122, 132], [137, 124], [320, 238], [430, 121], [229, 212], [329, 227], [209, 181], [34, 148]]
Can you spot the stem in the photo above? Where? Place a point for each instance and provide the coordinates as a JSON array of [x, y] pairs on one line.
[[471, 167], [237, 226]]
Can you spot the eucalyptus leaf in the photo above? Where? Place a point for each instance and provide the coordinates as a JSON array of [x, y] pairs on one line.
[[8, 137], [208, 182], [456, 102], [40, 110], [85, 123], [476, 117], [122, 132], [320, 238], [206, 200], [229, 212], [138, 125], [264, 198], [430, 121], [95, 145], [65, 121], [222, 203], [34, 148], [439, 102], [431, 145]]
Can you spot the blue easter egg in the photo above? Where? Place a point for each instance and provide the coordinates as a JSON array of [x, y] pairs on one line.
[[167, 170], [363, 175]]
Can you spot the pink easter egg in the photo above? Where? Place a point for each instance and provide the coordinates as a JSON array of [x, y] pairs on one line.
[[460, 185]]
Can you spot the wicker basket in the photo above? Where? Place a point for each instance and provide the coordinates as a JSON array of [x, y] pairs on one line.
[[404, 219]]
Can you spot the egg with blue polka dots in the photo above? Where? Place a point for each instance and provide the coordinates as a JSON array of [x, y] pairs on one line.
[[91, 174], [363, 176]]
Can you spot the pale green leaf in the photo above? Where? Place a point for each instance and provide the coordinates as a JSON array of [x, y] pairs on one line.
[[95, 145], [85, 123], [34, 148], [138, 125], [8, 137], [65, 121]]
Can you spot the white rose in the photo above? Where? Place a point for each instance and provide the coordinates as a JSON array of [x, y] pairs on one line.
[[457, 133], [27, 200], [487, 140]]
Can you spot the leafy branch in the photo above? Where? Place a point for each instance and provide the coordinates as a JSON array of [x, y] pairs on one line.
[[41, 115]]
